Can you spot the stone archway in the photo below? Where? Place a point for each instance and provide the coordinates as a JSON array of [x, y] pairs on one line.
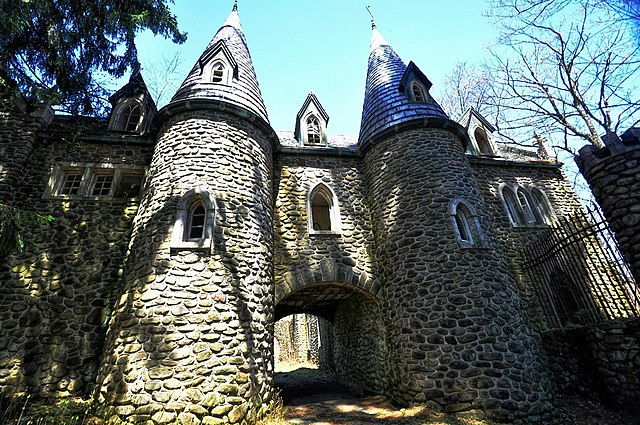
[[356, 351]]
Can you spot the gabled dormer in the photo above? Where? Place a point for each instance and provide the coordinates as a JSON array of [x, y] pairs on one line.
[[133, 107], [311, 123], [480, 132], [217, 65], [415, 85]]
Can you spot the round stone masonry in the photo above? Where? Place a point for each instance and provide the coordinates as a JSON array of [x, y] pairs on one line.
[[191, 335]]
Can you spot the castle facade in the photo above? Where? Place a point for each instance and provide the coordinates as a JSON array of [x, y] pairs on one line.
[[181, 235]]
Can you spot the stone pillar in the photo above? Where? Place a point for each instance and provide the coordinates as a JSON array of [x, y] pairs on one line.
[[457, 332], [190, 338], [613, 172]]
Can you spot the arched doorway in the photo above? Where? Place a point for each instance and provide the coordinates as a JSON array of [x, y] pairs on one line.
[[350, 340]]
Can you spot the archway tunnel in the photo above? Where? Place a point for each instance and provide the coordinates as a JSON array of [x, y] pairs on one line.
[[329, 338]]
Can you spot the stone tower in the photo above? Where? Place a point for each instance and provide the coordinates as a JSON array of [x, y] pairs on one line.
[[191, 333], [457, 332]]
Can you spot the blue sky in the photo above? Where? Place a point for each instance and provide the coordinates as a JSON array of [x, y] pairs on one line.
[[300, 46]]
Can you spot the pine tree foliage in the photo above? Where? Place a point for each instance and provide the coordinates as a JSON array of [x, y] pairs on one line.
[[61, 51], [12, 221]]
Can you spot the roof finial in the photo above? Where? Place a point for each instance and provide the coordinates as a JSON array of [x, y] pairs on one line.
[[235, 6], [373, 22]]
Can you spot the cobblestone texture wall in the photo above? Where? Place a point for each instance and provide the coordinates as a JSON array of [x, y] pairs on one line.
[[302, 259], [191, 336], [601, 360], [18, 133], [612, 172], [359, 351], [511, 240], [457, 331], [55, 297]]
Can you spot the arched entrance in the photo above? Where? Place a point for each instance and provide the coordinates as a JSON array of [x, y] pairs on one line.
[[350, 332]]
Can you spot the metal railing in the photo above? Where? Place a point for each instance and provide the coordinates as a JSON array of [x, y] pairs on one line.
[[579, 274]]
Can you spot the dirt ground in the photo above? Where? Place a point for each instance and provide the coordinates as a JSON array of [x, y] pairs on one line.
[[312, 397]]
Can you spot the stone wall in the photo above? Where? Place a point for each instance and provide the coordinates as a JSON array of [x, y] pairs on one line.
[[458, 333], [612, 173], [302, 258], [56, 297], [548, 177], [192, 332], [601, 360], [359, 351]]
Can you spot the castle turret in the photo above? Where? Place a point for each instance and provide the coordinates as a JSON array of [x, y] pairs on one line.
[[456, 329], [190, 336]]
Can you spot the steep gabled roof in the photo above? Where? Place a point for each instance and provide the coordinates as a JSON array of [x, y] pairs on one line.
[[385, 105], [242, 89]]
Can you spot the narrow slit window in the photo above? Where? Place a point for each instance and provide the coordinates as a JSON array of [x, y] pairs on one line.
[[217, 74], [463, 226], [542, 207], [512, 206], [418, 93], [525, 206], [483, 142], [197, 221], [321, 212], [313, 131]]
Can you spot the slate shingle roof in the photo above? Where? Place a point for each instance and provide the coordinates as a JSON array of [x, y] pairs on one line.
[[341, 141], [242, 91], [384, 105]]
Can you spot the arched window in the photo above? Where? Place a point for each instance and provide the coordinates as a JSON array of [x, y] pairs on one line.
[[193, 228], [128, 117], [542, 207], [525, 206], [512, 206], [218, 73], [418, 93], [323, 214], [314, 132], [197, 221], [483, 141], [465, 224]]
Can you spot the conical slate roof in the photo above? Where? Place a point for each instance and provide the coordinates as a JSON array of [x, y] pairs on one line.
[[385, 105], [242, 88]]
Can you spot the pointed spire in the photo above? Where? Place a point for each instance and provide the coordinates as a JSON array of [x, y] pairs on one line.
[[236, 83], [233, 20], [385, 104]]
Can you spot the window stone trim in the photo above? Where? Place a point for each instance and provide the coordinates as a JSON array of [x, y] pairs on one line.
[[472, 222], [334, 211], [540, 217], [179, 232], [89, 171]]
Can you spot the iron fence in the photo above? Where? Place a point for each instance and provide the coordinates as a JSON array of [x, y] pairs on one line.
[[579, 274]]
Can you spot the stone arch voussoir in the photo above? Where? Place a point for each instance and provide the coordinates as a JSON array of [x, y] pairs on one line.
[[325, 271]]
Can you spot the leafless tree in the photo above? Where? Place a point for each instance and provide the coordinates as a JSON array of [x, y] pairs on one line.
[[566, 67], [163, 77]]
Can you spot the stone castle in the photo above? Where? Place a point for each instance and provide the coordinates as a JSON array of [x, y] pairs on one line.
[[181, 235]]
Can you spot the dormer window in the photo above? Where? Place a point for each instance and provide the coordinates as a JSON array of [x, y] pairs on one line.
[[128, 117], [314, 132], [418, 92], [218, 73], [483, 142]]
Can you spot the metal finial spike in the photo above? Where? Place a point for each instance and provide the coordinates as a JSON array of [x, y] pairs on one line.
[[235, 6], [373, 22]]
